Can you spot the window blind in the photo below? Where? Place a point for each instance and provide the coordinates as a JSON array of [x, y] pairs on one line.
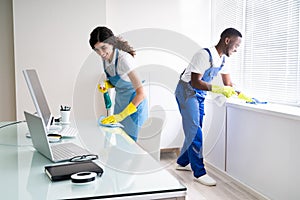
[[269, 66], [226, 14], [271, 51]]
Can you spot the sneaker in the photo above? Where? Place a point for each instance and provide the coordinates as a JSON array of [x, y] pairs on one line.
[[185, 168], [206, 180]]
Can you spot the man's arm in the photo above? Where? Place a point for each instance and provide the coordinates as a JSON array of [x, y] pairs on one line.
[[226, 80], [196, 82], [226, 90]]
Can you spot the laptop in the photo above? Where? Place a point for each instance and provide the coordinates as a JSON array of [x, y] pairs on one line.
[[54, 152], [41, 105]]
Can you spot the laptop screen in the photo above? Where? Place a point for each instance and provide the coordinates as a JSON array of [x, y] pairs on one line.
[[38, 96]]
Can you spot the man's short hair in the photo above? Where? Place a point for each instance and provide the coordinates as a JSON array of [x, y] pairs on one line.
[[230, 32]]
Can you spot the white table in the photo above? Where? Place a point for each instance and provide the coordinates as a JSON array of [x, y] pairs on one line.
[[129, 172]]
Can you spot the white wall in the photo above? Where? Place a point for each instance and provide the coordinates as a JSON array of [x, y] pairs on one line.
[[7, 71], [52, 37], [191, 18], [166, 34]]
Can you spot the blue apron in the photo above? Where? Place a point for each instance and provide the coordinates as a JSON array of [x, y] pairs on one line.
[[124, 95], [191, 106]]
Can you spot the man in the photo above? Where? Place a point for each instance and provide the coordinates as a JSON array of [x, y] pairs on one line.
[[190, 95]]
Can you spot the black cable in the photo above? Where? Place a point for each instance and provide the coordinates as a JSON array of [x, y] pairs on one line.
[[12, 123]]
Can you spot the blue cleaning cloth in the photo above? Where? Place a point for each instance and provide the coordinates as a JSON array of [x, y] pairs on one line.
[[256, 101], [112, 125]]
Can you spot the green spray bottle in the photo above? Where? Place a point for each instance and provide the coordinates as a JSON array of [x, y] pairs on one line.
[[107, 101], [106, 96]]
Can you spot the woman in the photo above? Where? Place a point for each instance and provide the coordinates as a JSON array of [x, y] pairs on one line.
[[118, 61]]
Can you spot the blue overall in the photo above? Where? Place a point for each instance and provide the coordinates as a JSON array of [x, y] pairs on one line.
[[124, 95], [191, 106]]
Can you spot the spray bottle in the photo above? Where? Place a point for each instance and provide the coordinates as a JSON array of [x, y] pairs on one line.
[[107, 99]]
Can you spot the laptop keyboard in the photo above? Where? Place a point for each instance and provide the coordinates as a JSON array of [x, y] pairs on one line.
[[67, 151], [68, 132]]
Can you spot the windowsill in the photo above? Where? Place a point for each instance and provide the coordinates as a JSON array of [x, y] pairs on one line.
[[286, 111]]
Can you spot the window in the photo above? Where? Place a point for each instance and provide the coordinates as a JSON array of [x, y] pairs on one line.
[[229, 13], [270, 66]]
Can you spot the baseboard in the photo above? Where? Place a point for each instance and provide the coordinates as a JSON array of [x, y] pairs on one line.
[[218, 172], [167, 150]]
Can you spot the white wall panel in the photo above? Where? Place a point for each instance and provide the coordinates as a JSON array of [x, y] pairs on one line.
[[52, 37], [214, 132], [263, 151]]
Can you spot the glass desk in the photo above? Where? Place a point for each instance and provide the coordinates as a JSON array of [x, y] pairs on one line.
[[129, 172]]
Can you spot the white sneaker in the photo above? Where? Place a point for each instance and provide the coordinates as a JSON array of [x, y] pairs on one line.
[[206, 180], [185, 168]]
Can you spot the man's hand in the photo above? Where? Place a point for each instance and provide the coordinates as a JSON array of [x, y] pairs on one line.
[[227, 91], [244, 97]]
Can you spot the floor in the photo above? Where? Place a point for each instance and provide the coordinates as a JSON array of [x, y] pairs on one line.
[[226, 189]]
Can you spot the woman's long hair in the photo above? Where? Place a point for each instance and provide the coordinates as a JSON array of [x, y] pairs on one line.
[[104, 34]]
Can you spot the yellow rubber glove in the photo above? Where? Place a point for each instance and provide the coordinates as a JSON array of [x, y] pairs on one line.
[[244, 97], [130, 109], [105, 86], [227, 91]]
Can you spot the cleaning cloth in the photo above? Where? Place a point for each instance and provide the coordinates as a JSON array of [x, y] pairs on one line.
[[256, 101], [112, 125]]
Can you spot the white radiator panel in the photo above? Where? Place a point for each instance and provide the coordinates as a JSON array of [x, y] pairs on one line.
[[214, 134], [263, 150]]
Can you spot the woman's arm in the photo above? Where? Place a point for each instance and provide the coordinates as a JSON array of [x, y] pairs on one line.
[[137, 84], [132, 106]]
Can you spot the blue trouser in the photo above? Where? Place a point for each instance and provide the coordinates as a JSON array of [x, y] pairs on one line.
[[191, 106]]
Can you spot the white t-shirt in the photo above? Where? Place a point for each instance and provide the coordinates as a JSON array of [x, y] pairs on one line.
[[200, 63], [126, 63]]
